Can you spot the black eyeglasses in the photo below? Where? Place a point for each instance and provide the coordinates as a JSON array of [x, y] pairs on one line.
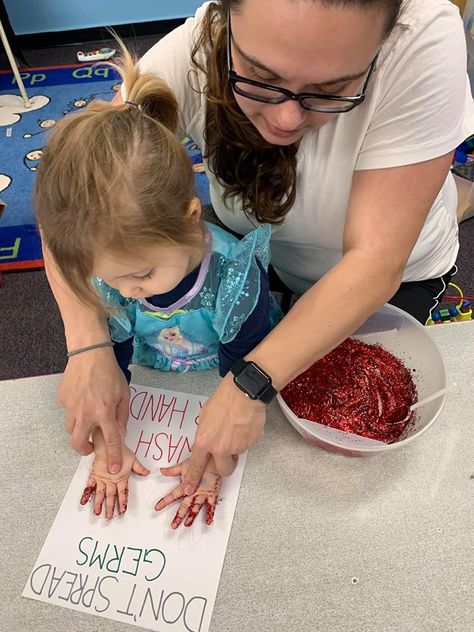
[[266, 93]]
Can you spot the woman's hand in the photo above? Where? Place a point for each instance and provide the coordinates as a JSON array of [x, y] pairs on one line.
[[93, 390], [229, 424], [207, 493], [111, 488], [95, 394]]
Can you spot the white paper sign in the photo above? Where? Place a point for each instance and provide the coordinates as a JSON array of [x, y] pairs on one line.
[[135, 568]]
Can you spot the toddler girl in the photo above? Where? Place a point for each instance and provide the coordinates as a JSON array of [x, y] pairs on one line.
[[116, 208]]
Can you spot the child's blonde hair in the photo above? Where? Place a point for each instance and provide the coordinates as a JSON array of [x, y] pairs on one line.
[[115, 179]]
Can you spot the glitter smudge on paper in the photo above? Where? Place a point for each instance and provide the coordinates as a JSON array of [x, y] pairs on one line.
[[358, 388]]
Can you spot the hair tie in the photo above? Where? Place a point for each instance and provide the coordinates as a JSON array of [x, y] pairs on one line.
[[133, 104]]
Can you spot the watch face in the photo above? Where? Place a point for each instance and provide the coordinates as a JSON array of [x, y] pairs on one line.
[[252, 381]]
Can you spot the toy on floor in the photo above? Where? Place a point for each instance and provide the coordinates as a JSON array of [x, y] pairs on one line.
[[96, 55], [462, 311]]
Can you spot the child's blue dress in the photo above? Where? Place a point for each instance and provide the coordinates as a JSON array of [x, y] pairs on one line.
[[187, 334]]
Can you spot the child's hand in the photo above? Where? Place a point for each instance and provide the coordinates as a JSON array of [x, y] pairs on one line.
[[113, 488], [207, 492]]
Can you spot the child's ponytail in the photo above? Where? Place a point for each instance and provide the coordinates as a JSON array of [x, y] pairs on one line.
[[147, 91]]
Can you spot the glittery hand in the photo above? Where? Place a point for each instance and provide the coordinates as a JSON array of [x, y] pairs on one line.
[[111, 488], [207, 493]]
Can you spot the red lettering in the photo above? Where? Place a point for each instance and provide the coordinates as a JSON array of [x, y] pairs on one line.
[[143, 441], [136, 402]]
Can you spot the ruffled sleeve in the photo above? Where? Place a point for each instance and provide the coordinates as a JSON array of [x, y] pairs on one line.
[[122, 314], [239, 288]]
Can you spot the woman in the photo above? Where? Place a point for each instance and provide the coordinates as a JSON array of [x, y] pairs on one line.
[[334, 120]]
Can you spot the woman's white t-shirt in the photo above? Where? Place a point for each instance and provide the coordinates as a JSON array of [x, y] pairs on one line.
[[418, 107]]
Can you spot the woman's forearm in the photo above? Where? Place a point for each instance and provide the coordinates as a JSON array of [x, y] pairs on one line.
[[82, 325], [325, 316]]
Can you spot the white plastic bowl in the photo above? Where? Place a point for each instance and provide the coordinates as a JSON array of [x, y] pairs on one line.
[[404, 337]]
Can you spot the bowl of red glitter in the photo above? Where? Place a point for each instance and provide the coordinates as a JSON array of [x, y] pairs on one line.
[[379, 390]]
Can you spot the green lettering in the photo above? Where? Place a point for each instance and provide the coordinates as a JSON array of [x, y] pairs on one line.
[[82, 73], [14, 250], [102, 72], [117, 558], [37, 78], [161, 560], [83, 552], [23, 75], [135, 559], [98, 558]]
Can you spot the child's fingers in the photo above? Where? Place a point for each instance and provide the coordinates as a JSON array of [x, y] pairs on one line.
[[211, 483], [217, 485], [172, 497], [211, 504], [173, 470], [110, 496], [122, 490], [88, 491], [99, 497], [140, 469], [182, 511], [194, 510]]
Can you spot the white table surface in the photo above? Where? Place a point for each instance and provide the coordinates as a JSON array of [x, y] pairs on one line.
[[320, 542]]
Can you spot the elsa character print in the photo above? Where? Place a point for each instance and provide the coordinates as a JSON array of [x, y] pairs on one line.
[[172, 343]]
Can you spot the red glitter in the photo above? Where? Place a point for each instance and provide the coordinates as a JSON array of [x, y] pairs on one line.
[[357, 388], [177, 520], [87, 493], [210, 510], [124, 505], [192, 513]]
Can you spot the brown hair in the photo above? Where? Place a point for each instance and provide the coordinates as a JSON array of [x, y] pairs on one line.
[[246, 165], [114, 178]]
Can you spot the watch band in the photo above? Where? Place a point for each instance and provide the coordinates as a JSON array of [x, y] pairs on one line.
[[267, 395], [238, 366]]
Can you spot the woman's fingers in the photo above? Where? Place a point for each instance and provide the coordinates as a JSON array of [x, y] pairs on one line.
[[194, 470], [70, 422], [80, 442], [122, 413], [113, 445], [95, 394], [226, 465]]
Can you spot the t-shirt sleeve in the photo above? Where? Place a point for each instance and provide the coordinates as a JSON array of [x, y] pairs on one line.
[[170, 59], [423, 104]]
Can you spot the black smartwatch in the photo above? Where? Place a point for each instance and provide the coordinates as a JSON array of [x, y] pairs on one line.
[[253, 381]]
